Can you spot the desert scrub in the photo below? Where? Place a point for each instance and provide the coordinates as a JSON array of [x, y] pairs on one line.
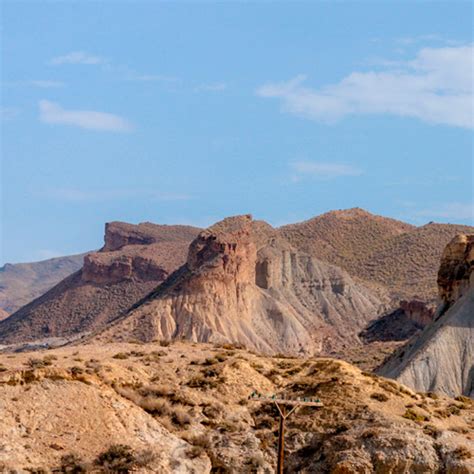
[[35, 363], [461, 452], [120, 458], [3, 368], [121, 356], [72, 464], [180, 417], [414, 416], [381, 397]]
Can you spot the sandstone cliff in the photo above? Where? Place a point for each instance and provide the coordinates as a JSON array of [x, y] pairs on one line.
[[441, 358], [243, 283], [134, 260]]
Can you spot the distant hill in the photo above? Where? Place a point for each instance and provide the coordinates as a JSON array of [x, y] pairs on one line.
[[404, 259], [21, 283]]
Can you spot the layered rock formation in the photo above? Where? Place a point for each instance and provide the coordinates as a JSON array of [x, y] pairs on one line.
[[243, 283], [133, 261], [441, 358]]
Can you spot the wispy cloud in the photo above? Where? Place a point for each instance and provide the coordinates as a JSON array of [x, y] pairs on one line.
[[44, 84], [436, 86], [78, 195], [151, 78], [452, 210], [9, 113], [53, 113], [322, 170], [211, 87], [77, 57]]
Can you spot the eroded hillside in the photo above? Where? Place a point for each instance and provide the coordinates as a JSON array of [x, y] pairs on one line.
[[184, 408]]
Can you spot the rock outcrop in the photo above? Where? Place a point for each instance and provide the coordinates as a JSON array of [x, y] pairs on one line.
[[399, 325], [244, 283], [133, 261], [441, 358]]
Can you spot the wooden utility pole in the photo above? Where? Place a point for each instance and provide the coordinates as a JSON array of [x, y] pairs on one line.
[[281, 404]]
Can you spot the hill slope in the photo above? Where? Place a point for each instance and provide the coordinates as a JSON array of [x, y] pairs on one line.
[[441, 358], [133, 261], [21, 283], [185, 408], [401, 258]]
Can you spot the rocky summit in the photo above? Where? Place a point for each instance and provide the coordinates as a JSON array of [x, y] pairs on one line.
[[441, 358], [243, 283]]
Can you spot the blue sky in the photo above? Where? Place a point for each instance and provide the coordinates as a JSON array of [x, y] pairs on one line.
[[189, 112]]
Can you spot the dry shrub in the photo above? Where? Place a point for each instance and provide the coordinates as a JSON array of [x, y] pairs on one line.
[[180, 417], [461, 452], [35, 363], [414, 416], [72, 464], [154, 406], [120, 356], [381, 397], [120, 458]]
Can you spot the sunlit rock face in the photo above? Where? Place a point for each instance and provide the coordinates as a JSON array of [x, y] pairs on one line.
[[244, 283], [441, 358]]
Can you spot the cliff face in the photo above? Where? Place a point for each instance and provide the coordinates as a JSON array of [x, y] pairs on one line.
[[441, 358], [243, 283], [135, 259], [456, 270]]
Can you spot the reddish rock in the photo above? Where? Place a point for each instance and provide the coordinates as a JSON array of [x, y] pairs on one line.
[[418, 312], [456, 269]]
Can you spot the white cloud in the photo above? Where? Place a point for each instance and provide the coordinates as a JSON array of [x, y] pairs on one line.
[[434, 87], [77, 57], [322, 170], [51, 112]]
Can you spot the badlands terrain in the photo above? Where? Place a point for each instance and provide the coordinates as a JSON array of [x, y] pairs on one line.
[[143, 359]]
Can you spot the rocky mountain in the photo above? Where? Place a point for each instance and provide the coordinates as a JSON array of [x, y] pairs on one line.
[[185, 408], [243, 283], [134, 260], [21, 283], [398, 259], [441, 358]]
